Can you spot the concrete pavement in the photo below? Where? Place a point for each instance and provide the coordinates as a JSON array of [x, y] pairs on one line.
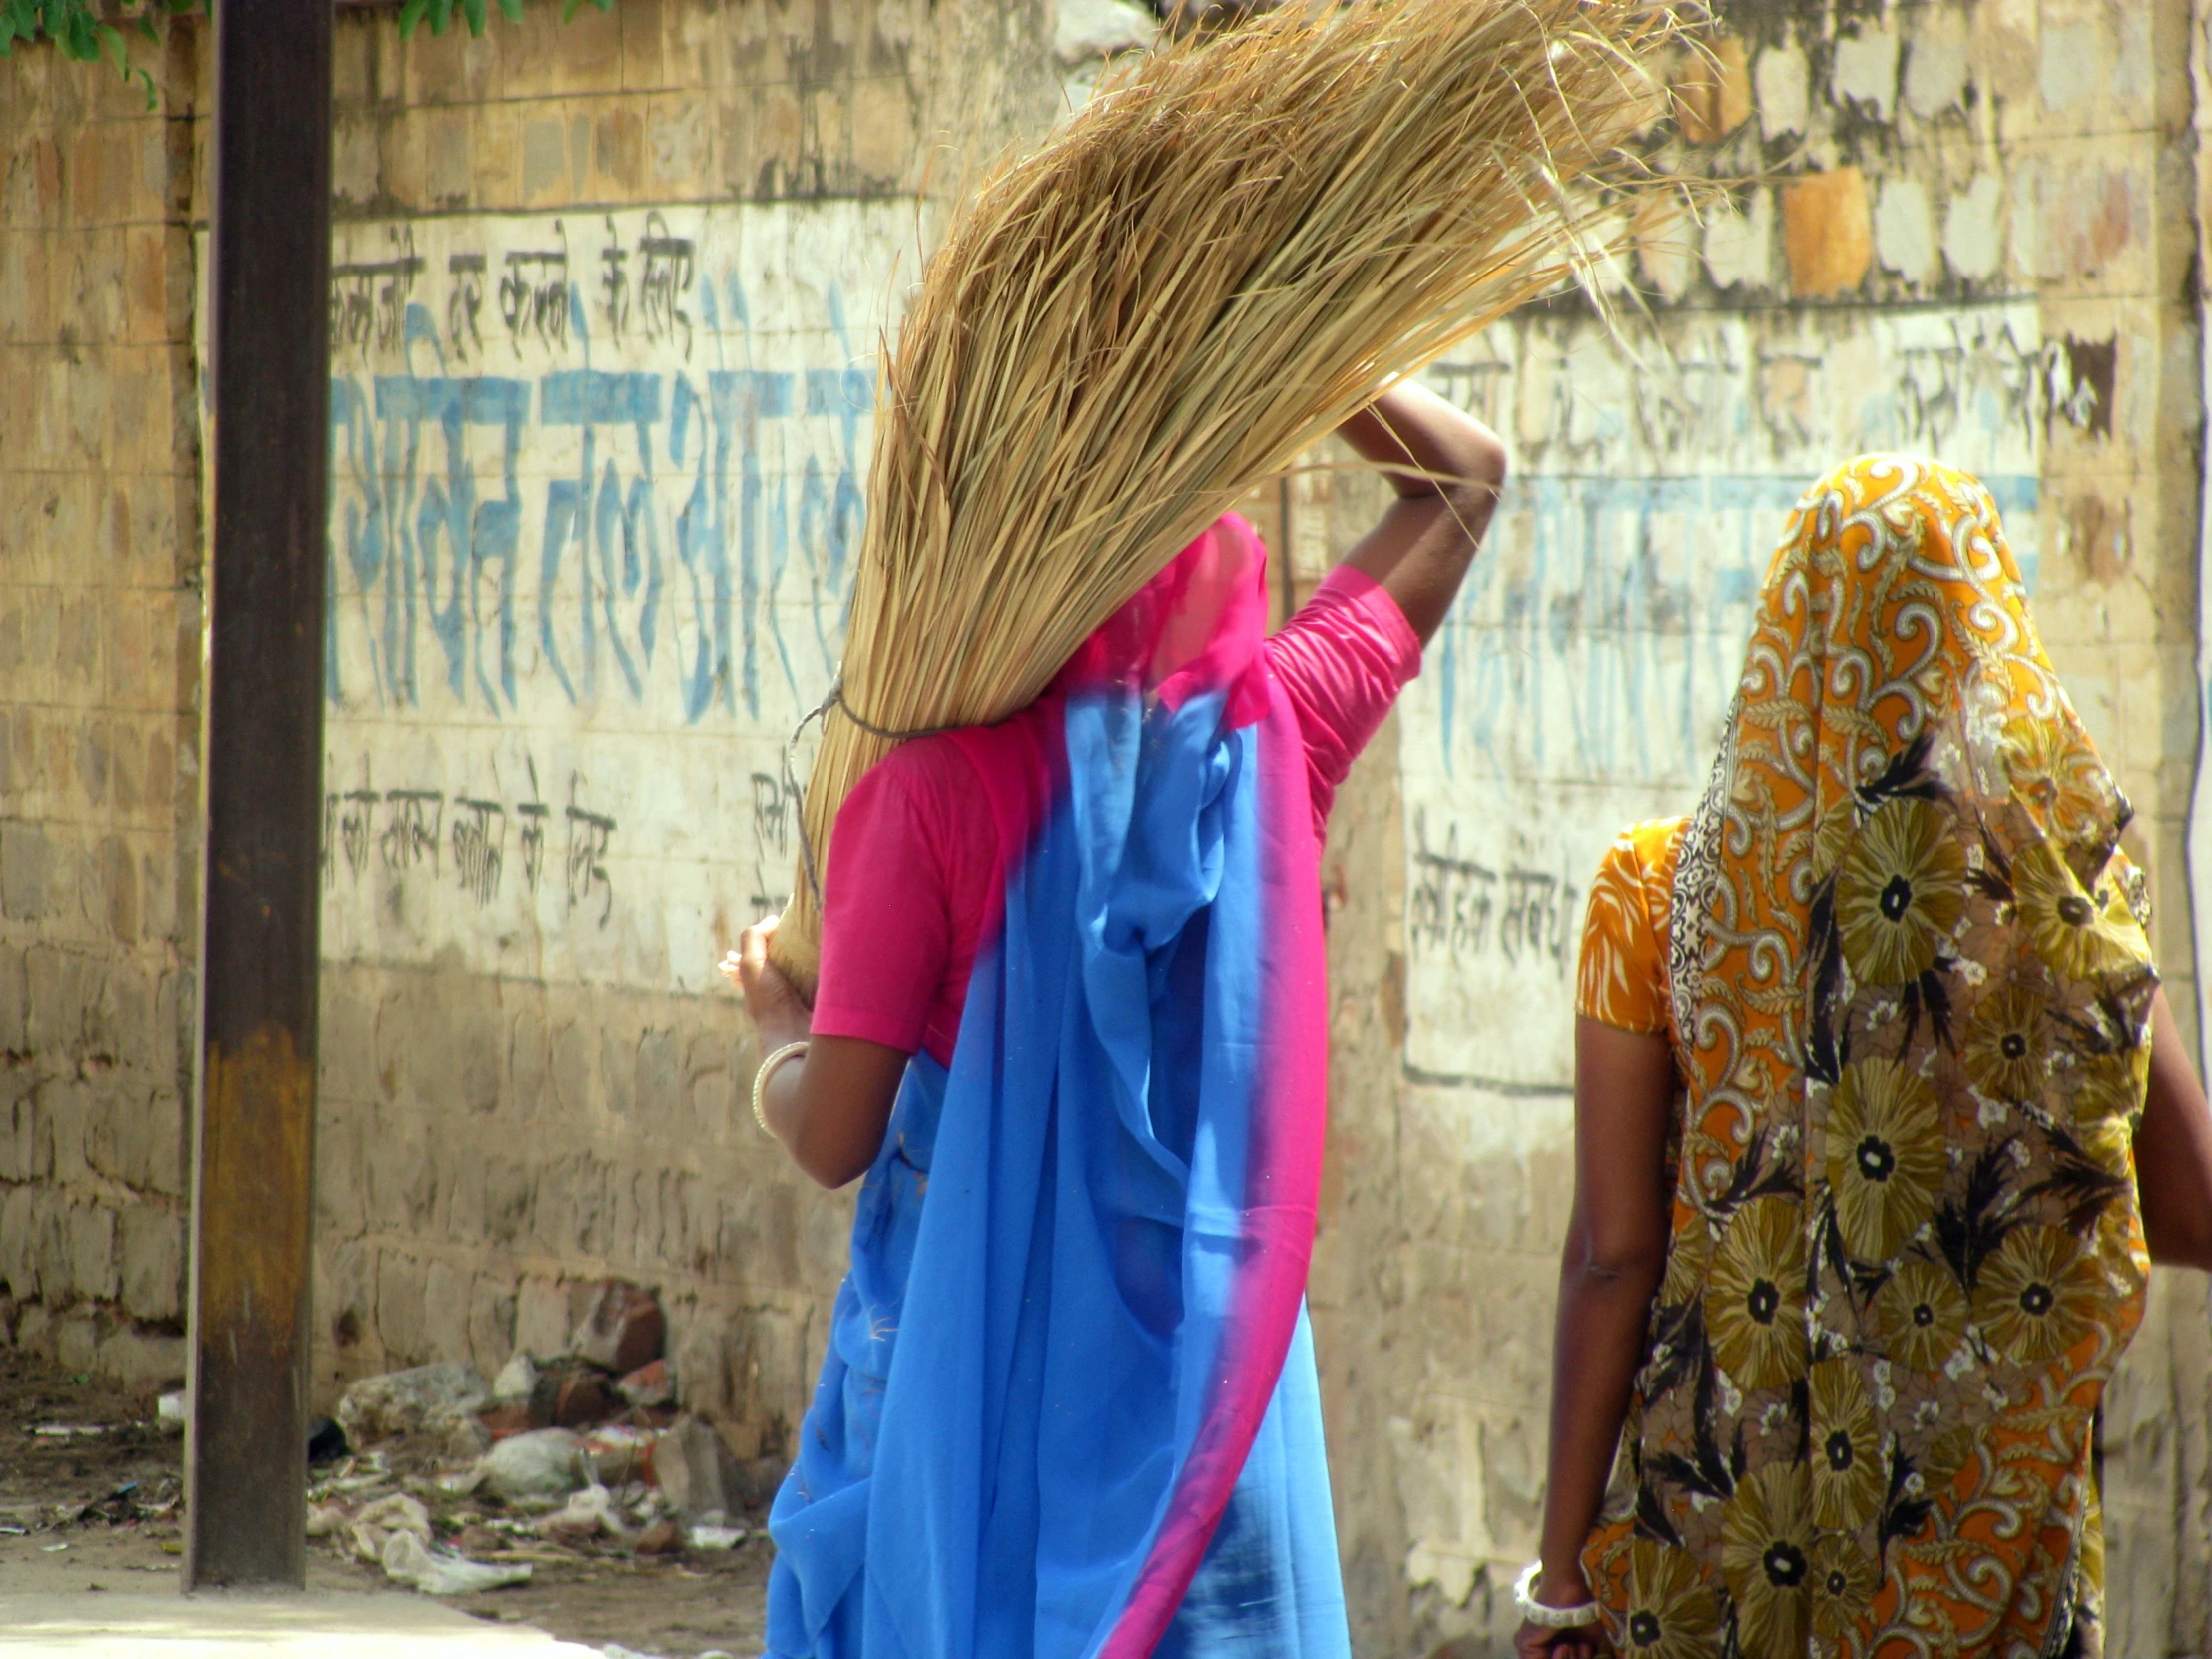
[[311, 1624]]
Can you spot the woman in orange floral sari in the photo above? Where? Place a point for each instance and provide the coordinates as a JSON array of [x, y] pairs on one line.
[[1878, 1104]]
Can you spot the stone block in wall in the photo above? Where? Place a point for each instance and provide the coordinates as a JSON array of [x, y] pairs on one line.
[[618, 153], [755, 1241], [657, 1077], [19, 1264], [61, 985], [76, 1339], [542, 1320], [356, 172], [528, 1059], [158, 1150], [445, 1305], [67, 1108], [495, 157], [704, 1344], [136, 1136], [94, 1267], [345, 1294], [1826, 233], [574, 1069], [442, 1035], [885, 128], [24, 858], [509, 1191], [448, 176], [111, 888], [491, 1323], [342, 1205], [545, 144], [402, 1181], [26, 1151], [151, 1247], [346, 1046], [144, 1360], [676, 142], [400, 1322]]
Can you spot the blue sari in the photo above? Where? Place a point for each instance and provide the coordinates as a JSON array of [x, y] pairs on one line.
[[1069, 1407]]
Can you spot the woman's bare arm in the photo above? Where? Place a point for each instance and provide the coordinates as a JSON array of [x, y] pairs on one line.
[[831, 1106], [1421, 549], [1615, 1255], [2173, 1150]]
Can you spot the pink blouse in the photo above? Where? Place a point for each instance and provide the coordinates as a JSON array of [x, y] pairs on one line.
[[918, 863]]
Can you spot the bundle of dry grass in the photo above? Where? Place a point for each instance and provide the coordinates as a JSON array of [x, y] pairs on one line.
[[1208, 268]]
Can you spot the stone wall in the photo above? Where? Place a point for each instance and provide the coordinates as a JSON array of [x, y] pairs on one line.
[[604, 305], [606, 298], [100, 621], [603, 312]]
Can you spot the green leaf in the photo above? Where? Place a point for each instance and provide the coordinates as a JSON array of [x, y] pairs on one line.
[[80, 36], [473, 11], [441, 16], [410, 17], [511, 10]]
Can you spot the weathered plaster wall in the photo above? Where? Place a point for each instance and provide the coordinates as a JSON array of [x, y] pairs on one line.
[[1962, 229]]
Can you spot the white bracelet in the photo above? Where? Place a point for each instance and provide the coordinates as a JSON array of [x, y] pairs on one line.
[[767, 1069], [1551, 1619]]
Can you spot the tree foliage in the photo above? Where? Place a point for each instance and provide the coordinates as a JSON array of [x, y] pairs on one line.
[[88, 30]]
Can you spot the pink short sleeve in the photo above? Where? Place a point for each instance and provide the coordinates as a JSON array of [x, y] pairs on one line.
[[1342, 661], [885, 929], [910, 889]]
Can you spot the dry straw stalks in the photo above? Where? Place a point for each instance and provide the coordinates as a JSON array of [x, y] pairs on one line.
[[1204, 272]]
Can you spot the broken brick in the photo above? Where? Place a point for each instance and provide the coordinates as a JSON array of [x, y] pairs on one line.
[[624, 1330]]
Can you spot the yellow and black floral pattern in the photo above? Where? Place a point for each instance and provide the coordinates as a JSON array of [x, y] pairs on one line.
[[1901, 964]]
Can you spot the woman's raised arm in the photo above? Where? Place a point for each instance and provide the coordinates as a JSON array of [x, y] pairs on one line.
[[1455, 467]]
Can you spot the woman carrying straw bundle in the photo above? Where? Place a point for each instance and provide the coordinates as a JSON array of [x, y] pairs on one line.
[[1069, 1024], [1880, 1117]]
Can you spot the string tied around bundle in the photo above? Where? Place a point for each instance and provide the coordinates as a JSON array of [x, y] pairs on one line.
[[834, 698]]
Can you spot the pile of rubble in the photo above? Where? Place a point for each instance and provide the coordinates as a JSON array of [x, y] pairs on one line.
[[453, 1486]]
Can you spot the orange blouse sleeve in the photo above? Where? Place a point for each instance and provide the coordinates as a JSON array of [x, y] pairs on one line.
[[1621, 979]]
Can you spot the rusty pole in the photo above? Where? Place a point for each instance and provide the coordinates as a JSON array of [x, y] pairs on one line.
[[253, 1192]]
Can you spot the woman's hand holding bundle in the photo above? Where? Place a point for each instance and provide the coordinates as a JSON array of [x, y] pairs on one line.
[[773, 1000]]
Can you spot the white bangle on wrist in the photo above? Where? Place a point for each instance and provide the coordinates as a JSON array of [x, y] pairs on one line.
[[1551, 1619], [763, 1071]]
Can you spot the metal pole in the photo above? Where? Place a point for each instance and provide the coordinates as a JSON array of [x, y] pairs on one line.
[[254, 1125]]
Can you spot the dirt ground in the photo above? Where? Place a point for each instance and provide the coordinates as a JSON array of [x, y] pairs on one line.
[[106, 1507]]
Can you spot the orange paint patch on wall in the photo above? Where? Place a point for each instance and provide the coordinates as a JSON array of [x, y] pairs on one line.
[[1827, 231], [1713, 94]]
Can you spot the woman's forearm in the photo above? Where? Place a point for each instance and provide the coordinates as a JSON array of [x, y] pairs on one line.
[[828, 1104], [1596, 1347], [1447, 468], [1409, 431]]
